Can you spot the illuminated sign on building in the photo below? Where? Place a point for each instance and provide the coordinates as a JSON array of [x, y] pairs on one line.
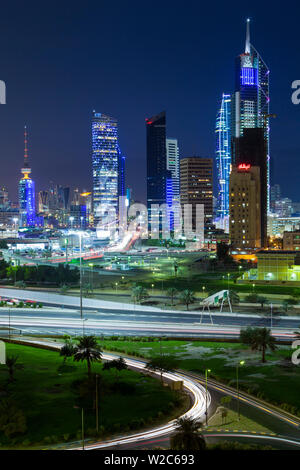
[[244, 166], [248, 76]]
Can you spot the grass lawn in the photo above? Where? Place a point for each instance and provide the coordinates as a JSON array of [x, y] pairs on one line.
[[232, 423], [277, 381], [49, 397]]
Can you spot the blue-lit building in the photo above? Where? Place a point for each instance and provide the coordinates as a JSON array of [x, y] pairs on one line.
[[250, 100], [27, 214], [106, 162], [223, 155]]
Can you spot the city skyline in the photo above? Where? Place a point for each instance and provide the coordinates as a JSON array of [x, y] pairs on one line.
[[195, 137]]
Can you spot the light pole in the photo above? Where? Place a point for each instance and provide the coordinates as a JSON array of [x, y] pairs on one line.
[[271, 316], [15, 220], [203, 290], [82, 427], [91, 275], [152, 285], [228, 275], [71, 219], [253, 287], [66, 248], [207, 371], [83, 330], [241, 363], [97, 409], [116, 287]]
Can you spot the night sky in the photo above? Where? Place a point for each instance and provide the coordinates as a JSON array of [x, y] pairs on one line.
[[132, 59]]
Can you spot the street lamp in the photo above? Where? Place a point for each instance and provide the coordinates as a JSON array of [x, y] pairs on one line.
[[228, 275], [152, 285], [91, 275], [253, 287], [116, 287], [83, 330], [71, 219], [15, 220], [203, 290], [241, 363], [207, 371]]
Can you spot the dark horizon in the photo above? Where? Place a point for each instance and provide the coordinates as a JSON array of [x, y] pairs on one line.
[[60, 62]]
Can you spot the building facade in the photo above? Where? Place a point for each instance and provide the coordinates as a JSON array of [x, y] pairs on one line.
[[291, 241], [173, 166], [196, 185], [105, 166], [223, 155], [245, 206]]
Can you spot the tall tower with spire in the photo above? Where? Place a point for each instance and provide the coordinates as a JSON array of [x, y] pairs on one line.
[[250, 100], [26, 191]]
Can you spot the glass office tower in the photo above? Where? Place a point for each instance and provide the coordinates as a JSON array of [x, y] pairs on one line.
[[173, 167], [26, 192], [223, 155], [250, 101], [105, 166]]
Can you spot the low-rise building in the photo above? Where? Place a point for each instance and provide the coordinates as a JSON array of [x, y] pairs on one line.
[[291, 240]]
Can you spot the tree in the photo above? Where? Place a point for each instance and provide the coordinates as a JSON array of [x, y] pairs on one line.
[[139, 294], [187, 436], [12, 420], [3, 245], [64, 288], [289, 303], [262, 301], [118, 364], [162, 364], [234, 297], [187, 297], [260, 339], [88, 289], [88, 350], [67, 350], [12, 365], [171, 293]]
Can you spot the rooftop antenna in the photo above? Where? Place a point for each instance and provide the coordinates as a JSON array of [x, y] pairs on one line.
[[247, 45]]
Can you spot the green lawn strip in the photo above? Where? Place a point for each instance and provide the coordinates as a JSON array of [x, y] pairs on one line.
[[232, 423], [277, 381], [49, 398]]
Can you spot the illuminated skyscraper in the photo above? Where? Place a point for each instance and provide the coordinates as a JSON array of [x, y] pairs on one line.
[[250, 101], [105, 165], [223, 155], [26, 192], [173, 167]]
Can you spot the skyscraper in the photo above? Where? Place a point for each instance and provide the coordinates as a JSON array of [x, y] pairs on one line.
[[26, 192], [105, 165], [251, 150], [223, 155], [173, 166], [157, 173], [196, 185], [250, 101]]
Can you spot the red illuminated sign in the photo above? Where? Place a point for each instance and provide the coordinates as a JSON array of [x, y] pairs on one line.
[[244, 166]]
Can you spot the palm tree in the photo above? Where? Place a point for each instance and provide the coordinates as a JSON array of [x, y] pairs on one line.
[[289, 303], [118, 364], [88, 350], [234, 297], [260, 339], [139, 293], [262, 301], [11, 364], [171, 293], [67, 350], [187, 435], [162, 364], [187, 297]]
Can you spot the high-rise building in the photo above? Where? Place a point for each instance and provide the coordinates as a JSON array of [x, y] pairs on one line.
[[223, 155], [173, 166], [43, 201], [245, 206], [26, 192], [250, 100], [275, 195], [196, 185], [105, 166], [251, 150]]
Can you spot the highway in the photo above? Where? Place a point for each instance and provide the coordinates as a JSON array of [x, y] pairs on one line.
[[105, 317]]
